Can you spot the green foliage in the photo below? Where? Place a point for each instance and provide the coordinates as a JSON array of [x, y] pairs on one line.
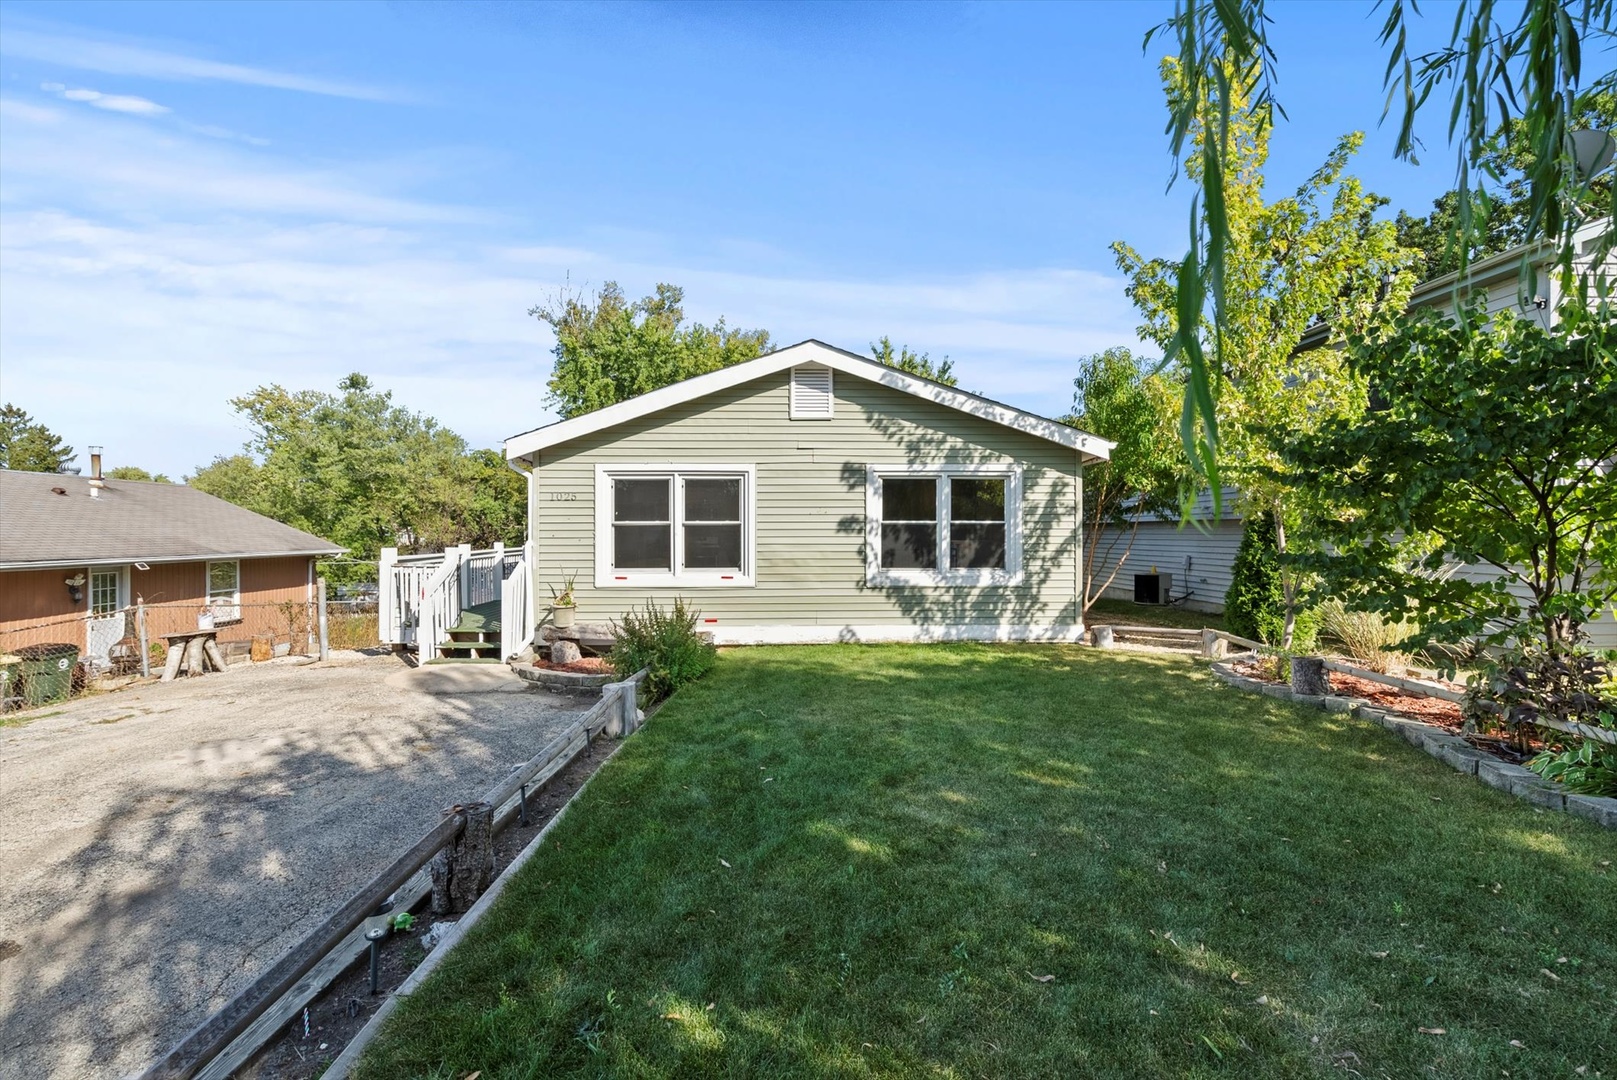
[[910, 363], [1523, 76], [609, 350], [357, 469], [664, 641], [1585, 766], [1489, 450], [1313, 263], [135, 472], [1119, 398], [1255, 605], [1500, 218], [563, 597], [29, 446]]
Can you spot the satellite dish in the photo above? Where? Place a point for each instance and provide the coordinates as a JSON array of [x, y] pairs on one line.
[[1592, 151]]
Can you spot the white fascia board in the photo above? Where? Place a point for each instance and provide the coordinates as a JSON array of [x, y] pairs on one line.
[[153, 560], [808, 352]]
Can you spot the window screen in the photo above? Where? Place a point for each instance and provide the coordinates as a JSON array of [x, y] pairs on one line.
[[909, 523], [642, 524], [976, 523], [713, 523]]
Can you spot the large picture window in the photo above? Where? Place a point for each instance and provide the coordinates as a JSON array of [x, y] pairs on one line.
[[685, 525], [943, 525]]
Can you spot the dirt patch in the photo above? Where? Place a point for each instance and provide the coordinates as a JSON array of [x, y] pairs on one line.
[[346, 1006], [1434, 711], [589, 665]]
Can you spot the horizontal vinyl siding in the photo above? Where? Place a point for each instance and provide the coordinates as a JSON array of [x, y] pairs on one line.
[[810, 544], [1164, 545]]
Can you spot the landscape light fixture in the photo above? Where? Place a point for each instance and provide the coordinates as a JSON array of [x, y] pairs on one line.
[[1592, 152]]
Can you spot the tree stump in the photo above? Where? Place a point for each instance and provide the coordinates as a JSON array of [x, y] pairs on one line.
[[193, 662], [1213, 646], [215, 658], [1308, 676], [471, 866], [1103, 637], [438, 870]]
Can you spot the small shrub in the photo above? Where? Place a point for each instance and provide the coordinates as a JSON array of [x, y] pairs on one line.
[[1521, 688], [1255, 605], [1585, 766], [664, 642], [1367, 637]]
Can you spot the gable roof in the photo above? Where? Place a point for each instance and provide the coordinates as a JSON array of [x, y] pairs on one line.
[[132, 521], [806, 352]]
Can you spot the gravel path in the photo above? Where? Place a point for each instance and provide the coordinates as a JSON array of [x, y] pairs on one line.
[[162, 845]]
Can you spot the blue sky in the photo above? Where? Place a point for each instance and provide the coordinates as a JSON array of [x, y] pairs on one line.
[[198, 199]]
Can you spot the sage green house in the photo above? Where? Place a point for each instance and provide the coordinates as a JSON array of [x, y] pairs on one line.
[[812, 495]]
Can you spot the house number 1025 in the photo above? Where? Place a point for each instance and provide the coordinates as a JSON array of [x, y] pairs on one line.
[[564, 496]]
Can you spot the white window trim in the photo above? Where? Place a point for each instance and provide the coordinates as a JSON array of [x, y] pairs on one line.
[[1010, 575], [216, 604], [608, 578]]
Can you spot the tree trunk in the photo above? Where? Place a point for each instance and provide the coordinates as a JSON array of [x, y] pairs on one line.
[[1308, 676], [1287, 587], [471, 869]]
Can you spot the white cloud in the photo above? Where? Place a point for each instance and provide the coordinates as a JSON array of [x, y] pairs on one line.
[[114, 58], [146, 277], [122, 103]]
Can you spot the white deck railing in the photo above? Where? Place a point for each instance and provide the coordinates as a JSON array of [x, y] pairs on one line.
[[420, 598]]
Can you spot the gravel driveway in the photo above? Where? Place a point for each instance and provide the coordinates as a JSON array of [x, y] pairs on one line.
[[161, 846]]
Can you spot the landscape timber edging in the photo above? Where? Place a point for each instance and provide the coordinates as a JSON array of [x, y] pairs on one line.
[[1452, 750], [344, 1062]]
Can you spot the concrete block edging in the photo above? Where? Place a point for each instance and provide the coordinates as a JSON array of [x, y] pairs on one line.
[[1452, 750]]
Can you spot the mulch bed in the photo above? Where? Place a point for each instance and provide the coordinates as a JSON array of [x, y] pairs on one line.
[[336, 1016], [1434, 711], [589, 665]]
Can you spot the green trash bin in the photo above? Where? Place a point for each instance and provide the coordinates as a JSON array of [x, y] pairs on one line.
[[47, 672]]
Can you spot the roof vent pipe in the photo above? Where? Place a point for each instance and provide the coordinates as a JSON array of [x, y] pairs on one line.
[[96, 483]]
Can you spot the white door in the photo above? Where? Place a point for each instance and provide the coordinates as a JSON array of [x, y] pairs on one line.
[[105, 626]]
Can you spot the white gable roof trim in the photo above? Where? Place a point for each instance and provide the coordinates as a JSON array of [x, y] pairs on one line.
[[807, 352]]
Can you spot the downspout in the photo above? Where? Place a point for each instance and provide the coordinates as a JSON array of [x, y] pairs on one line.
[[530, 553]]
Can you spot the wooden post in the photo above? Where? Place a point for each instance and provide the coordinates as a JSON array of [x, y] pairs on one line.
[[320, 598], [387, 614], [472, 871], [1308, 676], [145, 649], [1213, 646], [1103, 636]]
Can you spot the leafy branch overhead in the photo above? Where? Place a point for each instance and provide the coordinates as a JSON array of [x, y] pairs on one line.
[[1523, 77]]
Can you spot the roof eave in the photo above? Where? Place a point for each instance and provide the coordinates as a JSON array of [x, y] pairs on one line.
[[126, 560], [526, 445]]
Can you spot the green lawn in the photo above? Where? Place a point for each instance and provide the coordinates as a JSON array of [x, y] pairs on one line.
[[964, 861], [1127, 613]]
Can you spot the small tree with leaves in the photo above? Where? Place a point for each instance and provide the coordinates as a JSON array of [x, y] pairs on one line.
[[1116, 396], [1496, 447]]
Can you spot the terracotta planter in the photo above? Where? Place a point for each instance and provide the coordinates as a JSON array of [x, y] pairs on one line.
[[563, 616]]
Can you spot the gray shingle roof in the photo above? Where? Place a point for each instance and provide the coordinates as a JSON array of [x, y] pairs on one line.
[[132, 521]]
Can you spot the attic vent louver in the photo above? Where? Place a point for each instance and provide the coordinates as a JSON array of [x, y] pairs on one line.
[[811, 397]]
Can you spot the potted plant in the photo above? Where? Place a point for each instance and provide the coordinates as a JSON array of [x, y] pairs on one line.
[[562, 605]]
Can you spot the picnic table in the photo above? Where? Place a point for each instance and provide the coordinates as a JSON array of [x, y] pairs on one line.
[[194, 652]]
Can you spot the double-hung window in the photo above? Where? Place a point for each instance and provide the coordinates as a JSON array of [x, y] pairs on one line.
[[224, 591], [683, 525], [943, 525]]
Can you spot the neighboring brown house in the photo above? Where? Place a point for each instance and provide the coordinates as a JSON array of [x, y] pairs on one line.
[[77, 554]]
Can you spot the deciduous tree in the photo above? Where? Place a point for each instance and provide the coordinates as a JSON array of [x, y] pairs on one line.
[[921, 364], [609, 350]]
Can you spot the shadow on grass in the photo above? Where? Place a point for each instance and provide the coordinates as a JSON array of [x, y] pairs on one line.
[[855, 861]]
